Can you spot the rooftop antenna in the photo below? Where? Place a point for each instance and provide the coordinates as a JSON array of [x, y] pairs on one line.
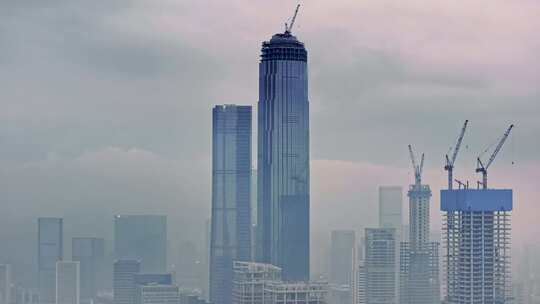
[[288, 27]]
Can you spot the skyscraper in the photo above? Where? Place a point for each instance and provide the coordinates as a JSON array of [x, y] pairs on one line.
[[419, 257], [144, 238], [5, 283], [231, 194], [67, 282], [90, 253], [380, 266], [477, 239], [50, 251], [251, 280], [343, 242], [283, 157], [124, 273]]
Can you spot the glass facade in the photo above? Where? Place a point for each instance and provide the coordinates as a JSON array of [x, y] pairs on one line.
[[231, 195], [50, 251], [142, 237], [283, 157]]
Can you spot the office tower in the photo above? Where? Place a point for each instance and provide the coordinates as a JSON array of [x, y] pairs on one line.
[[297, 293], [231, 195], [157, 294], [476, 227], [380, 265], [250, 281], [5, 283], [283, 157], [50, 251], [144, 238], [90, 253], [155, 289], [343, 243], [124, 272], [67, 282], [419, 257], [359, 283], [390, 208]]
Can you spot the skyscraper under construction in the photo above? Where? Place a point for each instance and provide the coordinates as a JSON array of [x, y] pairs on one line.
[[419, 257], [283, 157]]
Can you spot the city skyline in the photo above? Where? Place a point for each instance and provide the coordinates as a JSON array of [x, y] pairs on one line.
[[120, 125]]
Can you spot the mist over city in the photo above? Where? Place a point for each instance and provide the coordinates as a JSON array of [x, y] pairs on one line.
[[242, 152]]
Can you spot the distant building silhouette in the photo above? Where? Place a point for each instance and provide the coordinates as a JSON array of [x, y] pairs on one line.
[[5, 284], [68, 282], [144, 238], [50, 251], [343, 243], [380, 266], [283, 157], [231, 194], [90, 253]]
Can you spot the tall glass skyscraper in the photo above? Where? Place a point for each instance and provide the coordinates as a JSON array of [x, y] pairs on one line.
[[50, 251], [142, 237], [283, 157], [231, 193]]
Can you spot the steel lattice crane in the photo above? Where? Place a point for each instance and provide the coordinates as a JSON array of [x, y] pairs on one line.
[[288, 27], [484, 168], [417, 168], [450, 161]]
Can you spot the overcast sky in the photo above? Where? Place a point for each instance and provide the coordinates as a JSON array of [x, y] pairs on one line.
[[106, 104]]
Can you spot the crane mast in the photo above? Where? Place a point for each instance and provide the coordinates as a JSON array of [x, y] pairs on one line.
[[417, 168], [450, 161], [484, 168], [288, 27]]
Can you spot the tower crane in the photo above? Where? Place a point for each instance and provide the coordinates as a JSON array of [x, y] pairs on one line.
[[484, 168], [417, 168], [450, 161], [288, 27]]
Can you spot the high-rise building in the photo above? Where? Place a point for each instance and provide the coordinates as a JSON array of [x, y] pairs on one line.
[[250, 281], [90, 253], [297, 293], [390, 208], [67, 282], [155, 289], [144, 238], [50, 251], [419, 257], [477, 239], [359, 283], [231, 195], [380, 266], [157, 294], [283, 157], [5, 284], [343, 243], [124, 273]]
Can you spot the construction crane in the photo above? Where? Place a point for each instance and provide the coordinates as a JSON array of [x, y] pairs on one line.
[[484, 168], [450, 161], [417, 168], [288, 27]]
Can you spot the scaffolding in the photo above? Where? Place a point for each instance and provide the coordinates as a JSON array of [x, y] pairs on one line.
[[476, 232]]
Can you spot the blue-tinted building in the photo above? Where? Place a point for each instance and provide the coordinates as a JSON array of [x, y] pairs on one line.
[[90, 253], [283, 157], [50, 251], [144, 238], [477, 236], [231, 191]]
